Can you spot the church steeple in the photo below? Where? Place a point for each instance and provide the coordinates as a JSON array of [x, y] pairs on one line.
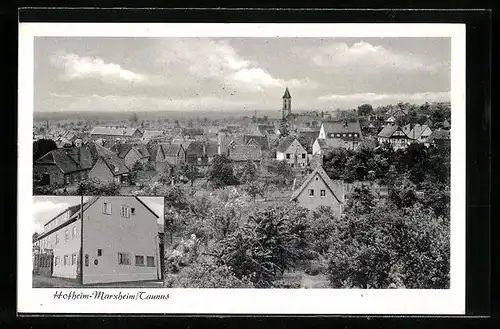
[[287, 104]]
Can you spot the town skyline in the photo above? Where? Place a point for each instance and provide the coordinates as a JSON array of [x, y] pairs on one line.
[[242, 74]]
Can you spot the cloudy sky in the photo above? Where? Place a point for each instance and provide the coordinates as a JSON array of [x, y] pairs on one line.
[[189, 74], [46, 208]]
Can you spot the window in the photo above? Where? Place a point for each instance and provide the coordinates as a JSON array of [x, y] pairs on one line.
[[150, 261], [323, 193], [139, 260], [288, 155], [125, 211], [311, 192], [132, 211], [99, 252], [350, 135], [343, 135], [66, 235], [57, 239], [106, 208], [303, 155], [123, 259], [86, 260], [74, 233], [338, 135], [67, 179], [66, 260], [355, 135], [57, 261], [73, 259]]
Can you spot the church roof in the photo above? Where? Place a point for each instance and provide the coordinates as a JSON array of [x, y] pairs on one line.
[[287, 93]]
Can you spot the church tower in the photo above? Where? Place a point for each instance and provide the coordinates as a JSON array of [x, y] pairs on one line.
[[287, 104]]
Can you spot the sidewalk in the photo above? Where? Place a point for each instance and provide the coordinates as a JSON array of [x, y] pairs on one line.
[[52, 282]]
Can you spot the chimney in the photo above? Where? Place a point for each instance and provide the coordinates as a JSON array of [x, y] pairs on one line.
[[204, 149]]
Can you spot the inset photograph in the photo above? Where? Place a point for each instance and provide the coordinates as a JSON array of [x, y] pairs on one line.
[[118, 243]]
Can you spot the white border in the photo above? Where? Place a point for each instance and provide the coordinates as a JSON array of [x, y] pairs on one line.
[[252, 301]]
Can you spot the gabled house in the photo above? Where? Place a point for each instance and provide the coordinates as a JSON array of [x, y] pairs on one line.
[[258, 141], [348, 131], [319, 190], [191, 133], [131, 153], [291, 151], [115, 133], [309, 136], [171, 154], [417, 133], [321, 146], [394, 135], [109, 167], [199, 153], [112, 251], [64, 166], [439, 137], [239, 154]]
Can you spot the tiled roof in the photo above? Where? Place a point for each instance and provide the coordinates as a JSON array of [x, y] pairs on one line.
[[388, 130], [285, 144], [261, 140], [113, 131], [68, 160], [142, 150], [342, 127], [192, 132], [171, 149], [330, 143], [115, 164], [148, 134], [245, 153], [321, 172], [417, 131], [438, 135], [309, 135]]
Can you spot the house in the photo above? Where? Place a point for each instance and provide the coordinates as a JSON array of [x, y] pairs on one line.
[[446, 124], [262, 129], [199, 153], [109, 167], [417, 133], [171, 154], [322, 146], [291, 151], [239, 154], [131, 153], [259, 141], [64, 166], [319, 190], [309, 136], [111, 250], [394, 135], [115, 133], [348, 131], [439, 137], [191, 133], [147, 135]]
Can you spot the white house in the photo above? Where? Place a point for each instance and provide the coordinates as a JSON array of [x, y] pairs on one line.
[[120, 241], [291, 151], [321, 146], [417, 133], [394, 135], [348, 131]]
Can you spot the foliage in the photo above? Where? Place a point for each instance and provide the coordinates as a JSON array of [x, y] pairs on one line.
[[221, 172], [283, 128], [365, 109], [191, 172], [96, 187], [206, 274], [390, 246], [254, 188], [248, 173], [264, 247], [282, 170]]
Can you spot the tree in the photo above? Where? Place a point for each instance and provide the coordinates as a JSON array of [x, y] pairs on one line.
[[248, 172], [221, 172], [283, 128], [95, 187], [265, 246], [191, 172], [282, 170], [390, 246], [365, 109], [254, 188], [42, 147]]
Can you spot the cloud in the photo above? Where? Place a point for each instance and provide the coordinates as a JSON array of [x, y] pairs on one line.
[[209, 59], [45, 210], [396, 97], [367, 56], [77, 67]]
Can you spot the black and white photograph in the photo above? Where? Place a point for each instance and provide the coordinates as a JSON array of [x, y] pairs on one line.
[[120, 245], [298, 163]]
